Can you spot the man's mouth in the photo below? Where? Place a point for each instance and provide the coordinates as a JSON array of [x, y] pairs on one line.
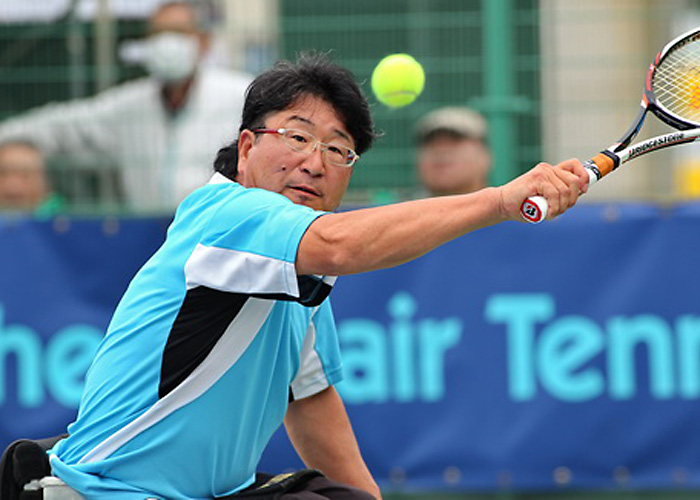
[[305, 189]]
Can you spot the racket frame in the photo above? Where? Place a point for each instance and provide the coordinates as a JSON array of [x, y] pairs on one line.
[[534, 209]]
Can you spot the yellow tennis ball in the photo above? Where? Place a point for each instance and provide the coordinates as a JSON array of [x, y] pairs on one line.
[[397, 80]]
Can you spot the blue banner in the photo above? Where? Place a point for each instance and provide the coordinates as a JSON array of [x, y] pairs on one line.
[[565, 355]]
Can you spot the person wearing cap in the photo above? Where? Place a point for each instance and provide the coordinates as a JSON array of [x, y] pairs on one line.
[[453, 156]]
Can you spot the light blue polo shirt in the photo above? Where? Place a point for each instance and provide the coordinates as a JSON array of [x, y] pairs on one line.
[[212, 339]]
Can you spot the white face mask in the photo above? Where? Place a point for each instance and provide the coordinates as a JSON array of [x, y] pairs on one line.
[[171, 57]]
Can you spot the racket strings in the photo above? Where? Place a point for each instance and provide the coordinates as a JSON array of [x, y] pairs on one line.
[[676, 81]]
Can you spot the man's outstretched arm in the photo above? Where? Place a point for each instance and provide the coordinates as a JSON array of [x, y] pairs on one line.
[[380, 237]]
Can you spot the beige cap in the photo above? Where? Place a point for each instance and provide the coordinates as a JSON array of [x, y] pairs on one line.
[[460, 121]]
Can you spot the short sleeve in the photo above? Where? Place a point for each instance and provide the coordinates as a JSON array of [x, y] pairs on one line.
[[250, 245], [320, 365]]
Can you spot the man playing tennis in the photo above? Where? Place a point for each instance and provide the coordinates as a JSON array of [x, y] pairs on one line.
[[226, 332]]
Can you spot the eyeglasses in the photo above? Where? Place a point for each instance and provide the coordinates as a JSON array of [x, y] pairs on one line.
[[304, 142]]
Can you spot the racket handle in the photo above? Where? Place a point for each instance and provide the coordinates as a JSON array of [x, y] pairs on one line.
[[535, 208]]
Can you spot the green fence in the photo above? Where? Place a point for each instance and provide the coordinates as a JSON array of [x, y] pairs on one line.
[[480, 54], [476, 53], [45, 62]]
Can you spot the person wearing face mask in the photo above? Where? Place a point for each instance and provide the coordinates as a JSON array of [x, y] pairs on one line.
[[158, 131]]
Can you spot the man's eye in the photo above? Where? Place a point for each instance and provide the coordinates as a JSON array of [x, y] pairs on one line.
[[336, 150], [299, 138]]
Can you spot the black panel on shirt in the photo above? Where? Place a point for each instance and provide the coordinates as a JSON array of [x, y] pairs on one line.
[[312, 291], [204, 316]]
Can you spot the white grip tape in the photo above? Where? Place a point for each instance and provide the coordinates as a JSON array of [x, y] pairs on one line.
[[592, 177], [534, 209]]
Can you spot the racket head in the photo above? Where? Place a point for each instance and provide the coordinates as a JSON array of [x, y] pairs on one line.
[[672, 90]]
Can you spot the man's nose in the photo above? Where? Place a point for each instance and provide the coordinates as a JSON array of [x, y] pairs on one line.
[[313, 163]]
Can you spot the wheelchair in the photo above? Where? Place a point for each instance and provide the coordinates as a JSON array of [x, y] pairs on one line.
[[25, 472]]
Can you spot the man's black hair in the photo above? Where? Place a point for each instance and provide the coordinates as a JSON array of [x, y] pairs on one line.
[[284, 84]]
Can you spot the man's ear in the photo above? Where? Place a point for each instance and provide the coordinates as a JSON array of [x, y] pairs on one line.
[[246, 141]]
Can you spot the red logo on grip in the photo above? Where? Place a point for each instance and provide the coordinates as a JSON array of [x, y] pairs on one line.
[[531, 211]]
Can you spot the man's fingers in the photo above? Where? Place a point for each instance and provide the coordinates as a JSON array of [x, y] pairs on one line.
[[556, 192], [571, 188], [562, 185], [576, 167]]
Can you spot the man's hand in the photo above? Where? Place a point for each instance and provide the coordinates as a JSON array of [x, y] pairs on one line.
[[561, 185]]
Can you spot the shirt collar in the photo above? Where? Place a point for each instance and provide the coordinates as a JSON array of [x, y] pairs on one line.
[[219, 178]]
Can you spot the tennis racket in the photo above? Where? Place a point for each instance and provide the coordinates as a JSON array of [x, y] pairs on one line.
[[672, 93]]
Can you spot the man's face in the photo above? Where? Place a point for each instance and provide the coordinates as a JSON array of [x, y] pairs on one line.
[[179, 19], [453, 165], [265, 161], [22, 178], [173, 18]]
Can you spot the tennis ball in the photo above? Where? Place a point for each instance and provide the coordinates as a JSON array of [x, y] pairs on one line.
[[397, 80]]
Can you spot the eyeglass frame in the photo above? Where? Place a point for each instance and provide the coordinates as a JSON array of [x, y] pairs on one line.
[[324, 145]]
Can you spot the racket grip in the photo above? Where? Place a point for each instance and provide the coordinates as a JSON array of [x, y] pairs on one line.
[[535, 208]]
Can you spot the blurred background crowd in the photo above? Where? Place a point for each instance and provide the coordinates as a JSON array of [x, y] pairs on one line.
[[125, 103]]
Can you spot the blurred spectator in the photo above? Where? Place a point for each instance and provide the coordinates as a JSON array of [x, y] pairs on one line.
[[24, 184], [452, 156], [160, 131]]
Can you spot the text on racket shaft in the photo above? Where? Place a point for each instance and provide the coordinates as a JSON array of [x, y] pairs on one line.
[[658, 143]]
